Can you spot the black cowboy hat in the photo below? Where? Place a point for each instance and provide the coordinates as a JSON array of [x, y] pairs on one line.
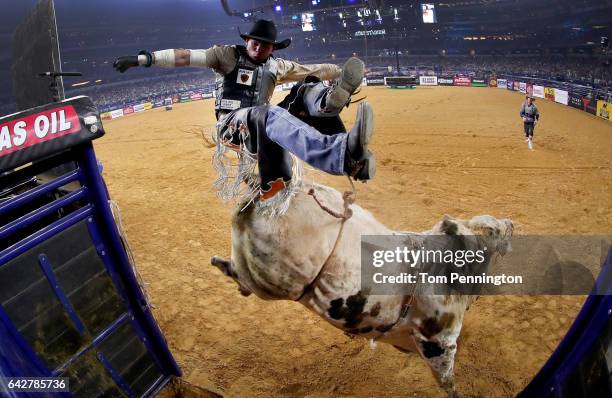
[[265, 31]]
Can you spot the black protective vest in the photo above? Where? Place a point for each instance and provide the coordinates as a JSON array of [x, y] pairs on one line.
[[248, 84]]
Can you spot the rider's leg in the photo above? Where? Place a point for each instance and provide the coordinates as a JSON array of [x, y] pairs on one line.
[[335, 154]]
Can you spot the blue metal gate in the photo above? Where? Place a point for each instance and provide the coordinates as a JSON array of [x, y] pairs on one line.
[[70, 301]]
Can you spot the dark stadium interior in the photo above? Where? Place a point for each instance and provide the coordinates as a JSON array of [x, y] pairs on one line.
[[558, 40], [106, 253]]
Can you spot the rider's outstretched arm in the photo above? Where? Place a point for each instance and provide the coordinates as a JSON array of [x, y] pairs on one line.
[[219, 58]]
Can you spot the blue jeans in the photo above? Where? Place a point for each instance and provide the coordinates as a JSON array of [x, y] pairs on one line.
[[313, 96], [272, 133], [324, 152]]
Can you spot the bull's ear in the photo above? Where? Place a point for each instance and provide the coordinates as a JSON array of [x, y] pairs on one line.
[[449, 226]]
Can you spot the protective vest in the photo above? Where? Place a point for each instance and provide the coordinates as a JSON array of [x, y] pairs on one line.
[[248, 84]]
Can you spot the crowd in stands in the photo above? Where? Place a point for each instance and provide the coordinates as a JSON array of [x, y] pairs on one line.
[[578, 70], [120, 94], [155, 84], [572, 70]]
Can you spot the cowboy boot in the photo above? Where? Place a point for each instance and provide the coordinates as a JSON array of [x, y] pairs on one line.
[[350, 79], [359, 162]]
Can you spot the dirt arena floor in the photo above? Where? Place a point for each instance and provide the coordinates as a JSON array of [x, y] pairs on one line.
[[441, 150]]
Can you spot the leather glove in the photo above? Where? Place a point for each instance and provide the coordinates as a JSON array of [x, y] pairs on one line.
[[123, 63]]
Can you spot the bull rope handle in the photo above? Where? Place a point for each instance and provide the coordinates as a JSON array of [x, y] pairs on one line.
[[348, 198]]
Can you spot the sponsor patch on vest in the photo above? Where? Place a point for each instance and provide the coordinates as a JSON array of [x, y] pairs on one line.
[[245, 76], [230, 104]]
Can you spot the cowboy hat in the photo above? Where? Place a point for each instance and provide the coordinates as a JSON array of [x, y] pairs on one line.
[[265, 31]]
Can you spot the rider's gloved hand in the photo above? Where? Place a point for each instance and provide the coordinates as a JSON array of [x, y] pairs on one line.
[[143, 58]]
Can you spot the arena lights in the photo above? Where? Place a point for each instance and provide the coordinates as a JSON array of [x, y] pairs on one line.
[[278, 8]]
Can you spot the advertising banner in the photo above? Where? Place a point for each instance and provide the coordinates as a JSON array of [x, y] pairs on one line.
[[522, 87], [509, 84], [462, 81], [493, 82], [184, 98], [575, 101], [36, 133], [207, 95], [589, 105], [445, 81], [479, 82], [157, 104], [375, 81], [517, 86], [105, 115], [549, 93], [148, 105], [127, 110], [603, 109], [428, 80], [175, 99], [561, 96], [139, 108], [538, 91], [116, 113], [36, 128], [501, 83], [196, 97]]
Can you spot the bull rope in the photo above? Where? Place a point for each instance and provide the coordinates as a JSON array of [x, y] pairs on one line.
[[348, 198]]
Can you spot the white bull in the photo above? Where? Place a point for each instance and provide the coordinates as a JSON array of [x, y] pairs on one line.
[[282, 259]]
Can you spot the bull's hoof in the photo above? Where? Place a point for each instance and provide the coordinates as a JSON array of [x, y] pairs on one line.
[[455, 394]]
